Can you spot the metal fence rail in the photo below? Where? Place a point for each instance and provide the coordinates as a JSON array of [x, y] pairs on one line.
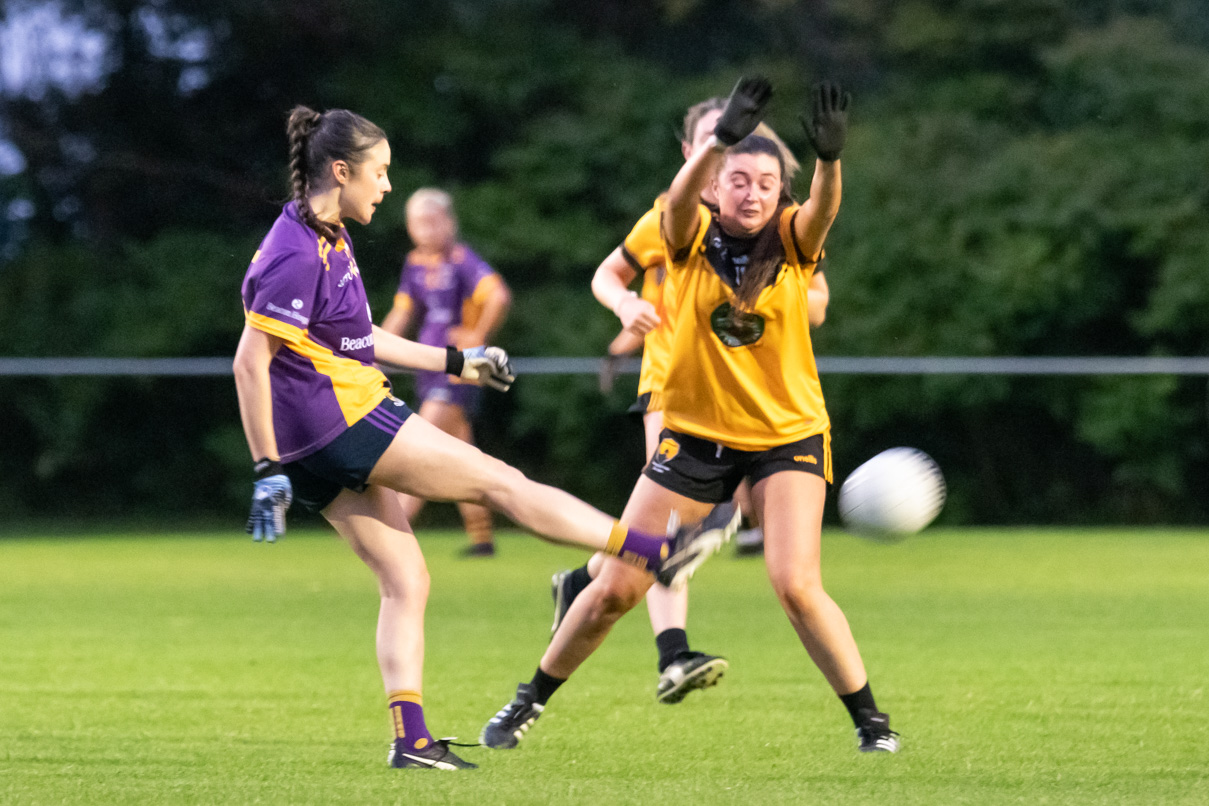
[[888, 365]]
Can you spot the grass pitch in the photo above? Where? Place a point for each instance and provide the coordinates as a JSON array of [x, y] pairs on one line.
[[1038, 667]]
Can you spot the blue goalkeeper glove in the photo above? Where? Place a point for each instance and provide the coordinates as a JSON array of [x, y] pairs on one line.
[[271, 497]]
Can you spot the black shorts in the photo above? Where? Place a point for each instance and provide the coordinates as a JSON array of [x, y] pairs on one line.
[[641, 405], [346, 461], [708, 472]]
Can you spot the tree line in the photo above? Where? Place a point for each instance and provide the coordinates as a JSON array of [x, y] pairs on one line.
[[1021, 179]]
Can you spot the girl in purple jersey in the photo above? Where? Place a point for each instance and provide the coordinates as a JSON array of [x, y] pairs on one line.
[[452, 297], [322, 425]]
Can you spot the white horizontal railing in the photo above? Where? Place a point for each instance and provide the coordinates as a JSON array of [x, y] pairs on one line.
[[835, 365]]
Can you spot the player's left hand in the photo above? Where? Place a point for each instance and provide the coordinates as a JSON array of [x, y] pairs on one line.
[[271, 497], [827, 127], [488, 365]]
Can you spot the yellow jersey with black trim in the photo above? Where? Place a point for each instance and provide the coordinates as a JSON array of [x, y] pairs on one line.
[[744, 379], [308, 292], [643, 250]]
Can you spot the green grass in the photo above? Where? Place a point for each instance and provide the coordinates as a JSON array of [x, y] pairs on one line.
[[1034, 667]]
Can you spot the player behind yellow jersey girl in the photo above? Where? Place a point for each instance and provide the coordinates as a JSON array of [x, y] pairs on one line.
[[322, 424], [742, 396]]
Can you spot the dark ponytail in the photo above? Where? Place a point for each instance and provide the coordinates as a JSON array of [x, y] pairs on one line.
[[316, 141]]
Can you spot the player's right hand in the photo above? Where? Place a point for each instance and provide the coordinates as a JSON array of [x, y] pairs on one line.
[[271, 497], [744, 109], [637, 315]]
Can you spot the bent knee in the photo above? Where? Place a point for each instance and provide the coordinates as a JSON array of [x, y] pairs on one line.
[[802, 594], [407, 584], [500, 481], [621, 595]]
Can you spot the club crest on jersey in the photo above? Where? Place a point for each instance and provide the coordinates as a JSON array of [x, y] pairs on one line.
[[736, 328]]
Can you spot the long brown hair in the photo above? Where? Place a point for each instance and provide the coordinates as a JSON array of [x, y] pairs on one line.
[[768, 253], [316, 141]]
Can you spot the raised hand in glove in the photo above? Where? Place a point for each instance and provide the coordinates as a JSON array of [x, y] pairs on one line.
[[828, 124], [744, 110]]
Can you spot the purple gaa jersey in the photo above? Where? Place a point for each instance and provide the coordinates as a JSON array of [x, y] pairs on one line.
[[308, 292], [446, 291]]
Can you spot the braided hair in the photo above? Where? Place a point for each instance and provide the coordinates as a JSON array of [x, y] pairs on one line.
[[316, 141]]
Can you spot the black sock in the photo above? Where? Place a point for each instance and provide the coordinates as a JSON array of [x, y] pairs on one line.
[[544, 686], [860, 704], [578, 580], [671, 643]]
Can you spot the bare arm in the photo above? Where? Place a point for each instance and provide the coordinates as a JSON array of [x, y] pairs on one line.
[[399, 318], [626, 342], [814, 219], [610, 286], [406, 354], [252, 358], [681, 216], [817, 298], [491, 317]]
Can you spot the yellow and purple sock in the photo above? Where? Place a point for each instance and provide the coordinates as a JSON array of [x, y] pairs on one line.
[[639, 549], [407, 717]]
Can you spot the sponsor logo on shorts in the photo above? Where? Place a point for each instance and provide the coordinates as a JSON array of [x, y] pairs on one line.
[[808, 459], [348, 345], [668, 449]]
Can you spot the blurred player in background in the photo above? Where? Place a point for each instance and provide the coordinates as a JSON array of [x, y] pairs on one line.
[[452, 297], [741, 397], [322, 424]]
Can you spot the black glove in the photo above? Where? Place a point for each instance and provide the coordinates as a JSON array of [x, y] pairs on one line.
[[744, 110], [828, 125]]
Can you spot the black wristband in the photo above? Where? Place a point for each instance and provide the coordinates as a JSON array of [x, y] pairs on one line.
[[265, 468], [455, 361]]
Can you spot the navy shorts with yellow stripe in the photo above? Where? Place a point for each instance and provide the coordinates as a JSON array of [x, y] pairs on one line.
[[709, 472], [345, 462]]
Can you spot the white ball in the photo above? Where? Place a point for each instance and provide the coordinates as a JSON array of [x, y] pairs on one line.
[[894, 494]]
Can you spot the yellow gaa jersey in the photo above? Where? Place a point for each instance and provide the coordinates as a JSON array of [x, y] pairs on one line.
[[643, 250], [746, 380]]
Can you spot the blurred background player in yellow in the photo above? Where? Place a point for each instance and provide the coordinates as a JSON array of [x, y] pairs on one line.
[[741, 398], [450, 296]]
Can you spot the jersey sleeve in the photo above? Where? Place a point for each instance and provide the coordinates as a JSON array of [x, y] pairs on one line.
[[679, 260], [476, 281], [793, 255], [280, 293], [643, 247], [405, 295]]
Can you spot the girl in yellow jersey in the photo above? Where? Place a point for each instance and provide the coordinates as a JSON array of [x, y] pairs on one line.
[[742, 396], [647, 325]]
